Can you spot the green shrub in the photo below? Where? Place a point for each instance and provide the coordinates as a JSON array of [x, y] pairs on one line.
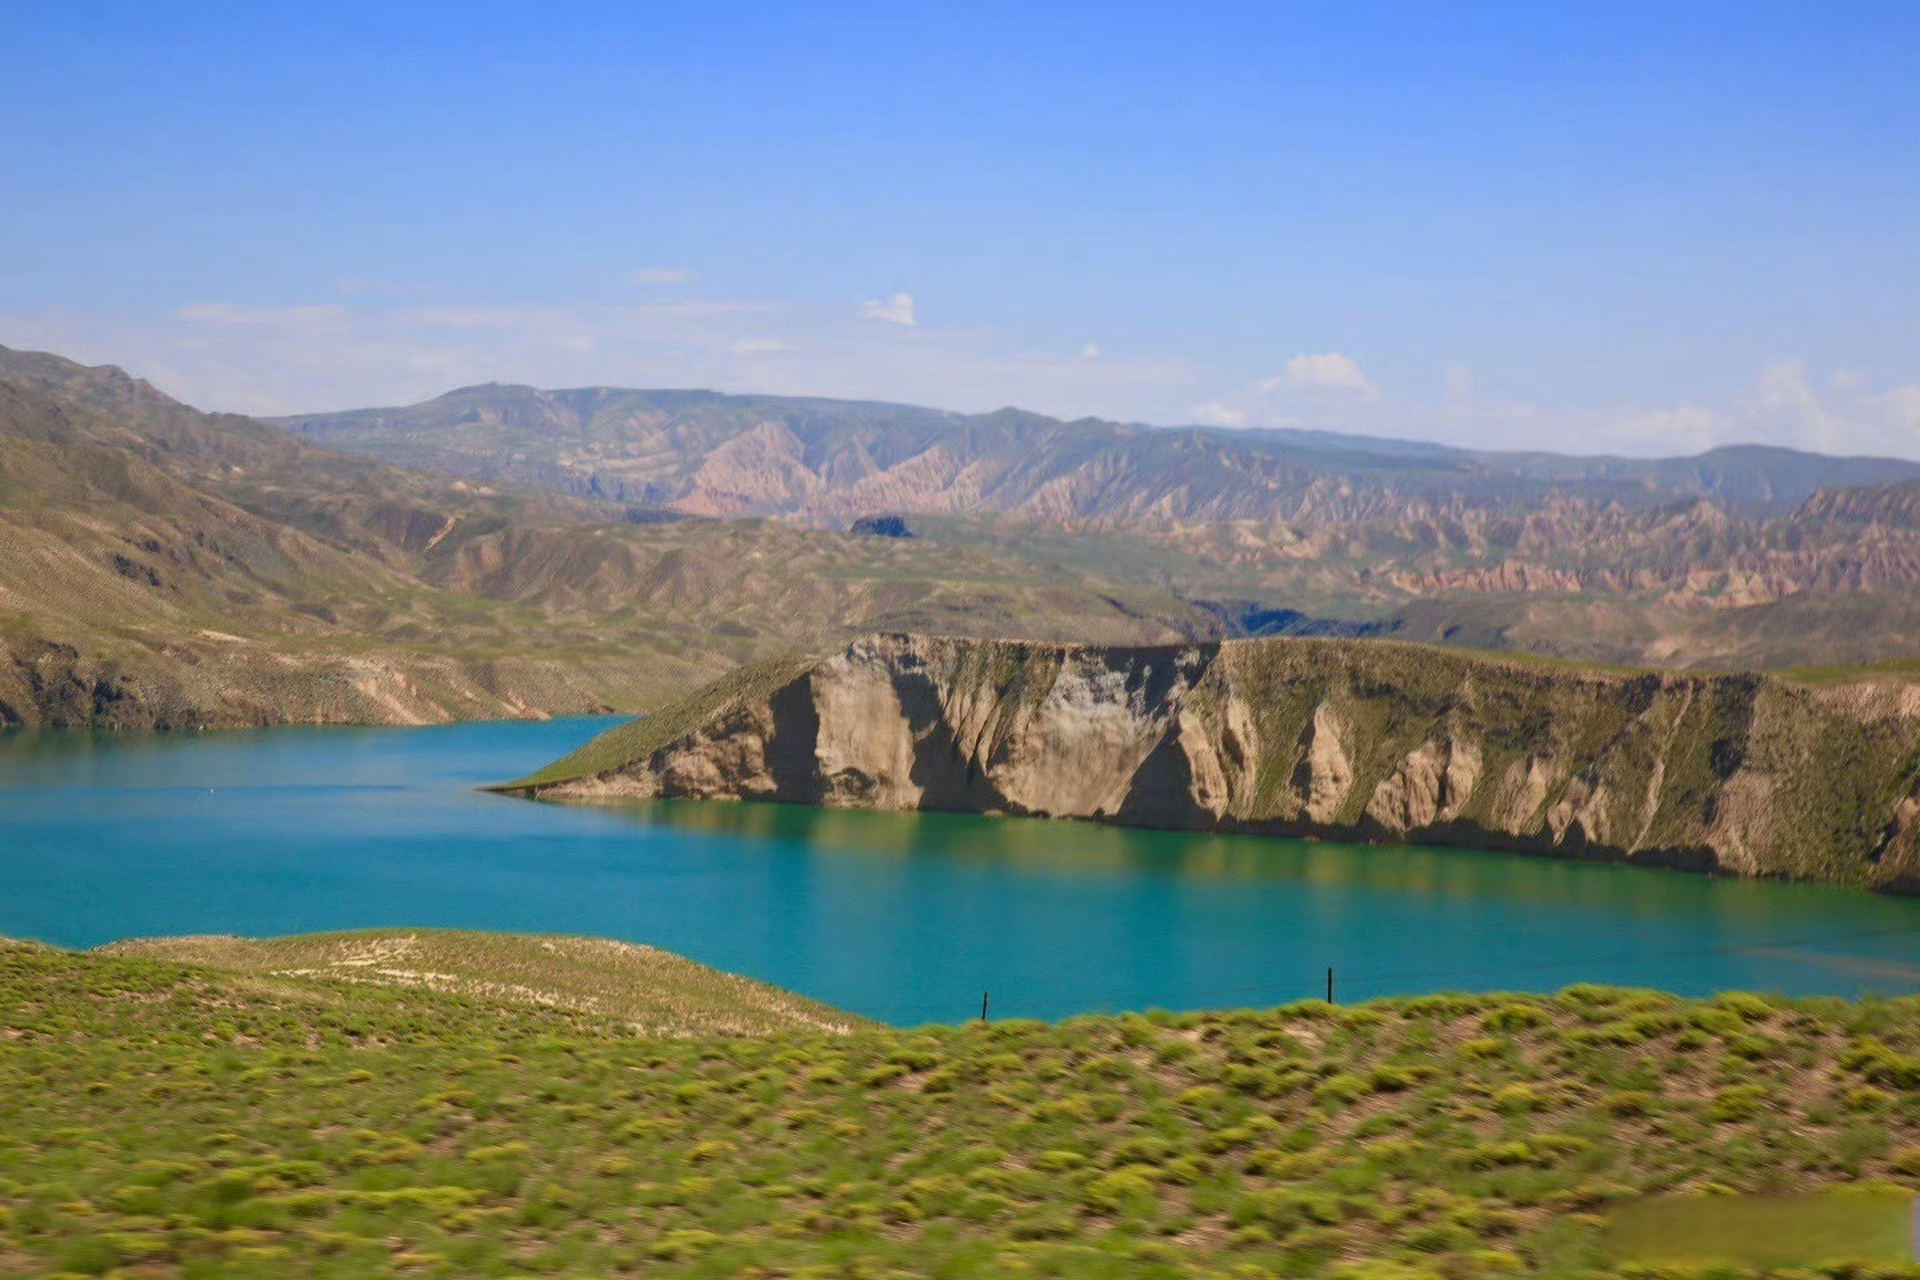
[[1874, 1060], [1515, 1017], [1745, 1005], [1736, 1103], [1131, 1186], [683, 1243], [1628, 1102], [1340, 1089]]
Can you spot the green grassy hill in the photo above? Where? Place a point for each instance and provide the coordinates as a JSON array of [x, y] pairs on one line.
[[637, 989], [160, 1117]]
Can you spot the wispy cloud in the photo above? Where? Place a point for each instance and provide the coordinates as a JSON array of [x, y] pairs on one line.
[[1781, 407], [895, 310], [1212, 413], [376, 350], [235, 314], [304, 356], [654, 277]]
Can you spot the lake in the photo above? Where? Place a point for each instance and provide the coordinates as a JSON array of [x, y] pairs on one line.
[[904, 917]]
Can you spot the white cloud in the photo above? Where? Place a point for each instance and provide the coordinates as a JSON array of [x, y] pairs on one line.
[[1662, 432], [1330, 371], [1782, 408], [895, 310], [1212, 413], [1090, 352], [757, 346], [1891, 422], [654, 276], [1901, 405]]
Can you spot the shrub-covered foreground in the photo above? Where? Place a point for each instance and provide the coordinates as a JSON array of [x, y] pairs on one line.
[[159, 1119]]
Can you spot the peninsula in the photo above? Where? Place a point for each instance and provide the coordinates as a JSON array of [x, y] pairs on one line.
[[1746, 774]]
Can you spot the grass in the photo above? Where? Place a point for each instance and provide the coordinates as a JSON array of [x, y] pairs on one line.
[[226, 1118], [643, 989]]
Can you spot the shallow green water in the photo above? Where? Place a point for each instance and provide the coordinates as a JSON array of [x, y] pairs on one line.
[[907, 917]]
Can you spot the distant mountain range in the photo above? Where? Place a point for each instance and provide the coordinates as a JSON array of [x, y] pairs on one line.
[[513, 552], [163, 566], [1740, 556], [831, 461]]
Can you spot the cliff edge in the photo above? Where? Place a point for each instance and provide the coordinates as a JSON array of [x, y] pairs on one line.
[[1745, 774]]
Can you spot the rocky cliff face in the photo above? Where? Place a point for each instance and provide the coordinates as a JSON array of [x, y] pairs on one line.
[[1744, 774]]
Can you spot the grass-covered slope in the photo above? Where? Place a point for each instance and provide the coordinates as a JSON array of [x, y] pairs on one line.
[[1348, 739], [168, 1119], [641, 989]]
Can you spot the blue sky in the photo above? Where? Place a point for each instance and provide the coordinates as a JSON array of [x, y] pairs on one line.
[[1641, 228]]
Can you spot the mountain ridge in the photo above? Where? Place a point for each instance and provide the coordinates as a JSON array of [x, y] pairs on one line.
[[161, 567], [169, 567], [815, 458]]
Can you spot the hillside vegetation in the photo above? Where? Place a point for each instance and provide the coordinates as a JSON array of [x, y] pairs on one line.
[[160, 1118], [1346, 739], [165, 567]]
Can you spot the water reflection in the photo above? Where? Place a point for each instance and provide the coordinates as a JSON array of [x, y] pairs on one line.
[[1090, 850]]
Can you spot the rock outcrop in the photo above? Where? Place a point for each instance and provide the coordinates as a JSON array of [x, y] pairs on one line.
[[1373, 741]]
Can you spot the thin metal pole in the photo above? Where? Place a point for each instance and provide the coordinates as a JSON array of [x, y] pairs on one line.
[[1329, 984], [983, 1006]]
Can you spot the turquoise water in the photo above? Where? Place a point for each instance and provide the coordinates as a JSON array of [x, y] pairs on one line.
[[906, 917]]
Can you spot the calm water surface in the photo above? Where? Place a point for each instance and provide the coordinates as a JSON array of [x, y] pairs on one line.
[[906, 917]]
